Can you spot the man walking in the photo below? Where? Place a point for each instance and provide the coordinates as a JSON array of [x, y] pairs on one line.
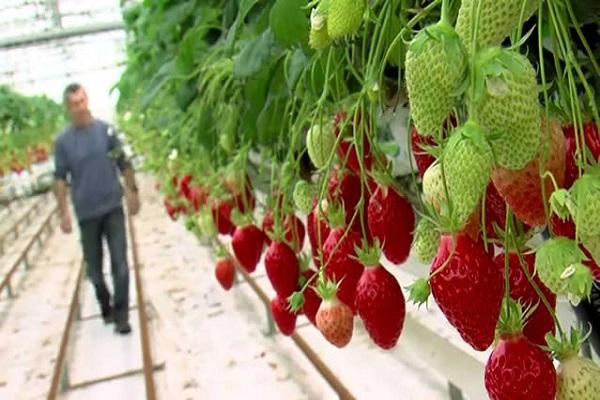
[[90, 155]]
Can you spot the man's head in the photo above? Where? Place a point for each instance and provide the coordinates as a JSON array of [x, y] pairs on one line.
[[76, 102]]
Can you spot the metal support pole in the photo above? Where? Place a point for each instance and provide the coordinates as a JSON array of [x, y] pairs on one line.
[[270, 324], [9, 290]]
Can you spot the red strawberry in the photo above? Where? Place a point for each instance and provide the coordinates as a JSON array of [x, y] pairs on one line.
[[341, 265], [521, 290], [197, 196], [592, 138], [521, 189], [312, 301], [495, 211], [221, 213], [380, 304], [225, 272], [344, 189], [346, 150], [294, 229], [184, 186], [387, 206], [422, 158], [243, 193], [571, 169], [283, 317], [294, 232], [468, 289], [282, 268], [171, 209], [517, 368], [318, 231], [334, 319], [248, 243]]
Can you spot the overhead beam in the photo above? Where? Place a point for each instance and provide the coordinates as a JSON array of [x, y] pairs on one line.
[[28, 40]]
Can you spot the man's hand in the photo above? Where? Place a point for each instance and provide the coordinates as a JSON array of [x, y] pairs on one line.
[[65, 223], [133, 201]]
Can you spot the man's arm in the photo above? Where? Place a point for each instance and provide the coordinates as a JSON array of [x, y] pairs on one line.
[[131, 189], [60, 188]]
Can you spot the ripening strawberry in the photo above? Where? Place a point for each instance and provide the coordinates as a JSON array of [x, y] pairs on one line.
[[426, 242], [197, 197], [172, 211], [467, 162], [344, 17], [468, 289], [283, 317], [221, 212], [335, 320], [497, 19], [518, 369], [225, 272], [522, 190], [506, 105], [571, 156], [540, 322], [248, 243], [435, 67], [184, 186], [341, 264], [282, 268], [422, 158], [391, 219], [559, 265], [380, 303]]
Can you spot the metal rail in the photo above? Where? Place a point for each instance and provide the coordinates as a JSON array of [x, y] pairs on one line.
[[59, 375], [336, 384], [14, 229], [143, 318], [46, 225], [60, 380]]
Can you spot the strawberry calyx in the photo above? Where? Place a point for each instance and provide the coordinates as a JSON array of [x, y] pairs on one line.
[[511, 319], [563, 346], [296, 301], [327, 289], [335, 216], [419, 291], [367, 255]]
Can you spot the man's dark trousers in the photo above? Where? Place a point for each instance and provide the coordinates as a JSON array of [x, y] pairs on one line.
[[112, 227]]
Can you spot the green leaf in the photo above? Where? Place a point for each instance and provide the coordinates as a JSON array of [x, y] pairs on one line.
[[157, 82], [390, 148], [289, 22], [254, 55], [296, 64]]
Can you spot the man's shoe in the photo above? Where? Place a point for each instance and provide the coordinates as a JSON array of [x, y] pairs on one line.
[[107, 315], [122, 327]]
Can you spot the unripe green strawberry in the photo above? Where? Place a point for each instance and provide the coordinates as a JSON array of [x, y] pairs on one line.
[[426, 242], [559, 264], [578, 379], [433, 186], [318, 37], [435, 67], [467, 162], [497, 19], [344, 17], [303, 196], [585, 193], [506, 105], [320, 143]]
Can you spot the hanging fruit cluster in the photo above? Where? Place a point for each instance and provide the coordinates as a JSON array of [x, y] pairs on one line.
[[28, 125], [233, 100]]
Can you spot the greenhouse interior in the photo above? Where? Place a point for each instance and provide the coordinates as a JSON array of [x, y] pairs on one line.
[[300, 199]]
